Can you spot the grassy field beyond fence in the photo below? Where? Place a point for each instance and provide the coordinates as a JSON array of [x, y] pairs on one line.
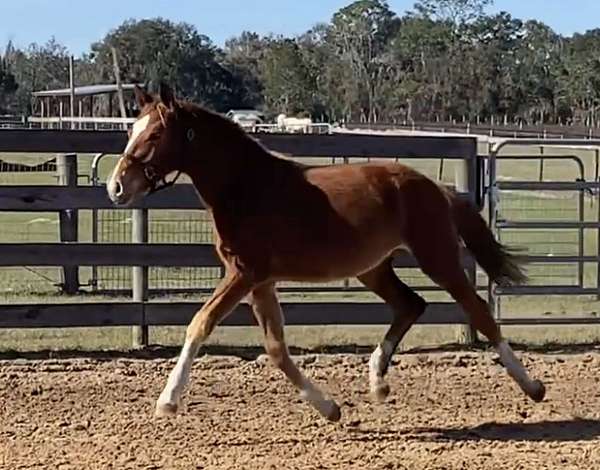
[[35, 284]]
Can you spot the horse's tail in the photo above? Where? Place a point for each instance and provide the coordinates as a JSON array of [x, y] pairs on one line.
[[500, 263]]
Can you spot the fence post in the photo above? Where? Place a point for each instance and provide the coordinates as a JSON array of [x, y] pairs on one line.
[[441, 170], [139, 275], [346, 161], [464, 182], [66, 167], [598, 243]]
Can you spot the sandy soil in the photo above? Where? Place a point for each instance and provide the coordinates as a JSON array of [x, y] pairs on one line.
[[446, 411]]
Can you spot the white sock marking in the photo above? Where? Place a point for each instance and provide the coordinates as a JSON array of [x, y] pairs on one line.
[[314, 396], [514, 367], [179, 376], [378, 362]]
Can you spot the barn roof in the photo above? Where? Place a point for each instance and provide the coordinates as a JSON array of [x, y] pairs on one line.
[[87, 90]]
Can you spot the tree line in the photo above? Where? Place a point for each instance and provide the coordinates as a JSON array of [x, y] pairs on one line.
[[443, 60]]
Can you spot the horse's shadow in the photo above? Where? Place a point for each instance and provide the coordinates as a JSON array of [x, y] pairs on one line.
[[549, 431]]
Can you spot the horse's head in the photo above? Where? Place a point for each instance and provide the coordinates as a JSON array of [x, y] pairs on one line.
[[155, 149]]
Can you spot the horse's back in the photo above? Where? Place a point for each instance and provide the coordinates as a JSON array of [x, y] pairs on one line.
[[333, 221], [364, 188]]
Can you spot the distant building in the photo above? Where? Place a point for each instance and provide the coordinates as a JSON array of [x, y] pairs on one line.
[[95, 107]]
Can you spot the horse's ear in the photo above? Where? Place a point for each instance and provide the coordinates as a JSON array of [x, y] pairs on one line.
[[141, 96], [167, 96]]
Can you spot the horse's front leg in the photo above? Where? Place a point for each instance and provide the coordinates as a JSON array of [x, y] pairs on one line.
[[231, 290]]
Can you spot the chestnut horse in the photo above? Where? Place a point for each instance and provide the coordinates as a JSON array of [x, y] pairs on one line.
[[278, 220]]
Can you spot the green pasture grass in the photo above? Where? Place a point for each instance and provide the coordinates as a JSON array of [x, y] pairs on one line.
[[314, 338]]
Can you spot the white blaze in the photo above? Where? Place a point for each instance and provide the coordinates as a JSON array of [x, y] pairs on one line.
[[139, 126]]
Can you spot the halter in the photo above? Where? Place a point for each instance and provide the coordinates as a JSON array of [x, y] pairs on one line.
[[157, 182]]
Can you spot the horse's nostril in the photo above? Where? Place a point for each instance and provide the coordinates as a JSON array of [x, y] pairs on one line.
[[118, 188]]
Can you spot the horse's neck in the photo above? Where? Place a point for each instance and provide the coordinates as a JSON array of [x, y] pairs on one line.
[[228, 169]]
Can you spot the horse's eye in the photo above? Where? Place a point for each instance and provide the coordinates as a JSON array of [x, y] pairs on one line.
[[154, 136]]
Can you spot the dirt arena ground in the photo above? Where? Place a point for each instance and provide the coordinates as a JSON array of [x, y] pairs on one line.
[[447, 410]]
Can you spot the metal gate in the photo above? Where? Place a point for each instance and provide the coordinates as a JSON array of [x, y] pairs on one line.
[[557, 222]]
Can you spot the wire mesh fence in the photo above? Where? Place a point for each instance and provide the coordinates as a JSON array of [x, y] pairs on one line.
[[18, 169], [548, 206], [115, 226]]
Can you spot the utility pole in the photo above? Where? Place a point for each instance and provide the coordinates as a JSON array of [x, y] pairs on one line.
[[117, 72], [72, 87]]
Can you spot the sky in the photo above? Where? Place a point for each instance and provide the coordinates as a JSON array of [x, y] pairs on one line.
[[78, 23]]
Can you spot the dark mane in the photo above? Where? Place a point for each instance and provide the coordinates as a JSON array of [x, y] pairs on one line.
[[196, 111], [228, 129]]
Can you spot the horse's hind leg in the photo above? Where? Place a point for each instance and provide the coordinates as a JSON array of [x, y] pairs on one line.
[[441, 262], [407, 306], [477, 309], [268, 313]]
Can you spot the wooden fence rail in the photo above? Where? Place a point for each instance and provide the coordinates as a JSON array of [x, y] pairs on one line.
[[131, 254], [307, 145], [180, 313], [141, 254], [54, 198]]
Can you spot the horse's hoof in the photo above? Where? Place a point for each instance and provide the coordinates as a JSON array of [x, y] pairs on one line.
[[333, 414], [380, 391], [329, 410], [539, 391], [164, 410]]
